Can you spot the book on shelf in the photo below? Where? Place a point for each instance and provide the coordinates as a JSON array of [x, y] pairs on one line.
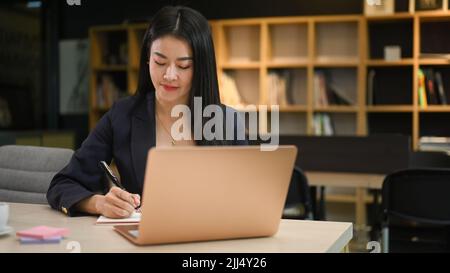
[[421, 89], [431, 89], [278, 88], [429, 86], [440, 88], [370, 86], [337, 96], [323, 124], [320, 94], [327, 92], [229, 93], [434, 143]]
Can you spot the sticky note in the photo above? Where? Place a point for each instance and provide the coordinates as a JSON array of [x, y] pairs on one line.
[[50, 240], [43, 232]]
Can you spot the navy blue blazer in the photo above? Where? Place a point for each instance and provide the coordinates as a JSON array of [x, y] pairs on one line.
[[125, 133]]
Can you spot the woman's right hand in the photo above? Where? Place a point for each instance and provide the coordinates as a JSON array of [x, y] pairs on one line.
[[117, 203]]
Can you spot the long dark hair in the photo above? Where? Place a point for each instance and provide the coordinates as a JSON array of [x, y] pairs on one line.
[[191, 26]]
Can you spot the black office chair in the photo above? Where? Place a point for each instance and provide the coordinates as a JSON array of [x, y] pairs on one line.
[[298, 202], [417, 160], [416, 211]]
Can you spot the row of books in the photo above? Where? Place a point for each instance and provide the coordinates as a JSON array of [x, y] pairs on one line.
[[280, 87], [323, 124], [279, 83], [432, 143], [229, 93], [107, 91], [281, 90], [326, 92], [431, 88]]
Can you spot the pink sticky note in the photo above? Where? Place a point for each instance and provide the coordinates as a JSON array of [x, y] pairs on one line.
[[43, 232]]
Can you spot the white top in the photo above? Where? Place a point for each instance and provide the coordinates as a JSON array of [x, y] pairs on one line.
[[293, 236]]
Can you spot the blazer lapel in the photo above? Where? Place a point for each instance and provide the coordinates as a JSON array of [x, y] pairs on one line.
[[143, 136]]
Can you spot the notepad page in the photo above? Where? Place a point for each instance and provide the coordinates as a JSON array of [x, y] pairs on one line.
[[133, 219]]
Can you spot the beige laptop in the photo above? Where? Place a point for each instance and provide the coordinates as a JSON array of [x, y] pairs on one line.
[[212, 193]]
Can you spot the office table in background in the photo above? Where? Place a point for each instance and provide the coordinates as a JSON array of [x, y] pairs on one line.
[[293, 236], [361, 182]]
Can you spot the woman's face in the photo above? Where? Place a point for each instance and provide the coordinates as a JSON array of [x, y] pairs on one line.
[[171, 69]]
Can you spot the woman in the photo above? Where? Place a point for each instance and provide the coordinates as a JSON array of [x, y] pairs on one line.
[[177, 64]]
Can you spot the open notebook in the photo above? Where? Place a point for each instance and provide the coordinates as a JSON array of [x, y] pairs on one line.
[[135, 218]]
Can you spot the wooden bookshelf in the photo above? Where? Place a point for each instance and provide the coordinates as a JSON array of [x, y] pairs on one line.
[[115, 52], [350, 46], [296, 44]]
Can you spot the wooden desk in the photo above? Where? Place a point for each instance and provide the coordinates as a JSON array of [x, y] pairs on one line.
[[361, 182], [293, 236]]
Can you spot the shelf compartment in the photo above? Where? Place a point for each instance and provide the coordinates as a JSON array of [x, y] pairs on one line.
[[439, 78], [336, 41], [110, 47], [287, 87], [289, 43], [434, 124], [339, 124], [388, 33], [435, 37], [240, 86], [389, 123], [401, 11], [335, 86], [288, 123], [292, 123], [389, 85], [242, 44]]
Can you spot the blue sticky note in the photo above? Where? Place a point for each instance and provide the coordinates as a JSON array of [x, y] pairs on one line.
[[50, 240]]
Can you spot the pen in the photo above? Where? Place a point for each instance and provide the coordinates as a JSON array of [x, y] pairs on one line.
[[111, 177], [110, 174]]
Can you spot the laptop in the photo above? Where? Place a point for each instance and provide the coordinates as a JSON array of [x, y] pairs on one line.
[[212, 193]]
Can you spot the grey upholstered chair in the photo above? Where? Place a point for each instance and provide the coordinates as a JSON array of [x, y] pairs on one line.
[[26, 172]]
